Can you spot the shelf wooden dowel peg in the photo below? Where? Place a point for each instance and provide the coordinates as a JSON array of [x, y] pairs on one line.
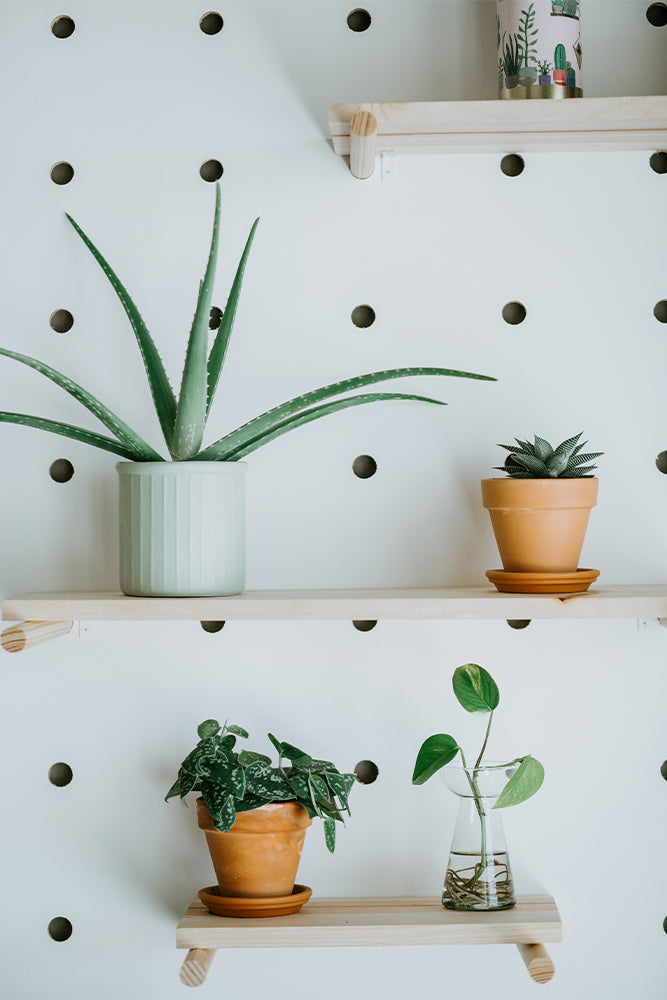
[[16, 638], [195, 966], [539, 964], [363, 134]]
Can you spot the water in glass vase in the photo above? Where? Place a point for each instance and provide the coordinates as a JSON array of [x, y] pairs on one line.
[[473, 884]]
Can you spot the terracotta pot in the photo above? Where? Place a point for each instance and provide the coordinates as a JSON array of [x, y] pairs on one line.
[[260, 855], [539, 524]]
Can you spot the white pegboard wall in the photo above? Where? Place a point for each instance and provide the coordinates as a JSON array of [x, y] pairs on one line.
[[136, 99]]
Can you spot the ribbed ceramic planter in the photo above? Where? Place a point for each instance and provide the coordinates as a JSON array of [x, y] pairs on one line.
[[260, 855], [539, 49], [182, 528], [539, 524]]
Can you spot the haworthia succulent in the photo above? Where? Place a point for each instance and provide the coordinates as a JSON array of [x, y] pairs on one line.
[[541, 461], [192, 401], [161, 390], [142, 452]]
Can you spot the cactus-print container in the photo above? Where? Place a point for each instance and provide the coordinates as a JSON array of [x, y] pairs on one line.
[[539, 49]]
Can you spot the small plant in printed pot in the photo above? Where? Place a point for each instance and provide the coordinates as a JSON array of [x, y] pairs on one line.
[[540, 513], [544, 67], [255, 815], [164, 504], [478, 875]]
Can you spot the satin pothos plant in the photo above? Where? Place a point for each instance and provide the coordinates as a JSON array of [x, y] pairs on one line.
[[183, 417], [231, 781]]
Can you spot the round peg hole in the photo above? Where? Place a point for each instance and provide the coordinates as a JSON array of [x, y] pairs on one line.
[[215, 318], [211, 22], [518, 623], [62, 26], [212, 626], [364, 466], [664, 925], [364, 626], [211, 170], [363, 316], [61, 471], [658, 162], [514, 313], [660, 311], [62, 172], [60, 774], [661, 461], [663, 769], [60, 929], [512, 165], [358, 19], [61, 320], [656, 14], [366, 772]]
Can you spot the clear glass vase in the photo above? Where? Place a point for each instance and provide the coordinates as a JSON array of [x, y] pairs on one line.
[[478, 875]]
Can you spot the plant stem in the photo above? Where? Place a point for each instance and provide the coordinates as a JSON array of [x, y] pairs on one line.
[[486, 740], [484, 861]]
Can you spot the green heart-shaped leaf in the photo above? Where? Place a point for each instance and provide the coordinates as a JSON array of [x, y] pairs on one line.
[[435, 752], [524, 783], [208, 728], [475, 688]]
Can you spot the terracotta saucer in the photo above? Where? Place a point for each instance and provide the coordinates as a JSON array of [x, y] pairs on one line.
[[254, 906], [542, 583]]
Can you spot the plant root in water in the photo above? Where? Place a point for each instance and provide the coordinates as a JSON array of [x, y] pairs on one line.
[[466, 889]]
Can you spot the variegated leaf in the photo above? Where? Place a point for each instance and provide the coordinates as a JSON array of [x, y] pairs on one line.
[[220, 804], [238, 731], [247, 757], [330, 834]]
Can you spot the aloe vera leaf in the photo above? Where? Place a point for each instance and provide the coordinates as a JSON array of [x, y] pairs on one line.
[[304, 417], [125, 434], [216, 358], [161, 390], [69, 431], [191, 408], [266, 421]]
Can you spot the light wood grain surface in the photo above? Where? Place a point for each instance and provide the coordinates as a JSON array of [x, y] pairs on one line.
[[373, 922], [594, 123], [428, 604], [16, 638]]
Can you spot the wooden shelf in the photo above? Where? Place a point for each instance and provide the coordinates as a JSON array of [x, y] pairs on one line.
[[419, 604], [589, 123], [45, 616], [347, 923]]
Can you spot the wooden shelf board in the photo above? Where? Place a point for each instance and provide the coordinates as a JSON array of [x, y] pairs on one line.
[[515, 126], [419, 604], [373, 922]]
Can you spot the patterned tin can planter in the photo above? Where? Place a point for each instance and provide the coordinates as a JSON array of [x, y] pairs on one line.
[[539, 49]]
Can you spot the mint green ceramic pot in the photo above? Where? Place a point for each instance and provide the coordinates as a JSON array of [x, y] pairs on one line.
[[182, 528]]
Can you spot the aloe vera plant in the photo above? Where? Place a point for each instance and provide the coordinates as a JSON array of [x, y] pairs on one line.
[[183, 418]]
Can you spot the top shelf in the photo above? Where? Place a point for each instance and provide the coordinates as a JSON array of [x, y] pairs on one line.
[[425, 604], [360, 130]]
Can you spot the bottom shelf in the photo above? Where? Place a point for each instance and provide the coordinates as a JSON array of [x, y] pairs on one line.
[[346, 923]]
